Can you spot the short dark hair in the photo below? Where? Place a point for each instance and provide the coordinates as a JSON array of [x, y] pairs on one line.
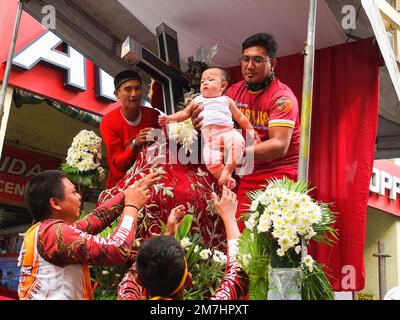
[[124, 76], [264, 40], [47, 184], [160, 265]]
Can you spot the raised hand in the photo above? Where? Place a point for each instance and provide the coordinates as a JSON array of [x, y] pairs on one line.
[[227, 205], [137, 195], [226, 208], [143, 136], [175, 219], [153, 178]]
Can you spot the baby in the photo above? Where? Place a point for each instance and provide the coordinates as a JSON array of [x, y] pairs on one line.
[[217, 129]]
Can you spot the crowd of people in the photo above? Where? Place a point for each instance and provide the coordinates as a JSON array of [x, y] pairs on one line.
[[59, 247]]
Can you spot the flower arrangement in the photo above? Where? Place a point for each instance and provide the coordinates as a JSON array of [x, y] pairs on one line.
[[83, 162], [206, 265], [183, 133], [282, 220]]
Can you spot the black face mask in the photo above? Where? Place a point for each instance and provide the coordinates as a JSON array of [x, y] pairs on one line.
[[254, 87]]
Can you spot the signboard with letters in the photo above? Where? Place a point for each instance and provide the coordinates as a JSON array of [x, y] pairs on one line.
[[385, 187], [17, 166]]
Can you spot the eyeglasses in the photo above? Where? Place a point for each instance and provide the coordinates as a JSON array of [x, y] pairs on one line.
[[256, 59]]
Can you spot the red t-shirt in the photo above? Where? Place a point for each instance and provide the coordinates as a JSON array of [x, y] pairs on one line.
[[117, 134], [276, 106]]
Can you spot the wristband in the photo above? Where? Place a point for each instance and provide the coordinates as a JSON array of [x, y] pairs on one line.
[[131, 205]]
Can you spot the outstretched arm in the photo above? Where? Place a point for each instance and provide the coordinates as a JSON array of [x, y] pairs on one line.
[[226, 209], [62, 244], [234, 285], [176, 117], [105, 214]]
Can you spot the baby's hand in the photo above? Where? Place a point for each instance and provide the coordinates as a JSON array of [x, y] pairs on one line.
[[257, 138], [163, 120]]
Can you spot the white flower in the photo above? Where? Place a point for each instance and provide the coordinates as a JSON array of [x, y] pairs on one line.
[[297, 249], [183, 133], [219, 257], [252, 221], [309, 262], [85, 152], [196, 248], [285, 242], [185, 242], [254, 205], [309, 233], [105, 272], [205, 254], [280, 252]]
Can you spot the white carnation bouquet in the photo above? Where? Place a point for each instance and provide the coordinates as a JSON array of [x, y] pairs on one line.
[[184, 133], [83, 161], [281, 221]]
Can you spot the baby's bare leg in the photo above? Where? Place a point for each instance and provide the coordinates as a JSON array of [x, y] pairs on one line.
[[226, 176]]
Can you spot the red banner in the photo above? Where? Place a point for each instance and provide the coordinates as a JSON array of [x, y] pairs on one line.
[[343, 132], [17, 167]]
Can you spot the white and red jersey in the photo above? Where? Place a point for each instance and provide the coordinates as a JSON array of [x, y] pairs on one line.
[[41, 280], [55, 255]]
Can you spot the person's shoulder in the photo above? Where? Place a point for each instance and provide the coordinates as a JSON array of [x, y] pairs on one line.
[[279, 89], [111, 114], [111, 120], [198, 98], [48, 228], [50, 223], [279, 86]]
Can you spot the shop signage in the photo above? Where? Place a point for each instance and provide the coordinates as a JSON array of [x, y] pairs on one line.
[[383, 182], [17, 166], [385, 187], [43, 49], [39, 57]]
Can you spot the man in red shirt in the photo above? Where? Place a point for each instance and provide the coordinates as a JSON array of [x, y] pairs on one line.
[[126, 128], [272, 109]]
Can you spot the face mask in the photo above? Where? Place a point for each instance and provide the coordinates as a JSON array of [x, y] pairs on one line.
[[254, 87]]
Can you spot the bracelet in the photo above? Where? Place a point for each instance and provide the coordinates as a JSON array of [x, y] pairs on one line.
[[131, 205]]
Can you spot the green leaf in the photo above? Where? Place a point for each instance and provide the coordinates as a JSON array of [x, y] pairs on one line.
[[163, 227], [184, 228]]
